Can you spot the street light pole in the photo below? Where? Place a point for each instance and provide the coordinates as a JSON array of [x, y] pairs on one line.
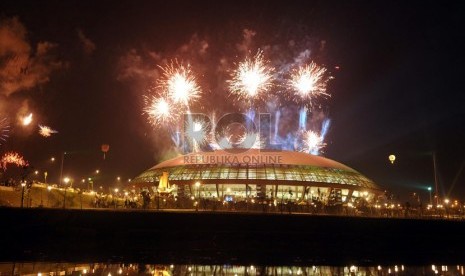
[[49, 188], [23, 184], [64, 194], [61, 168], [116, 198], [430, 197]]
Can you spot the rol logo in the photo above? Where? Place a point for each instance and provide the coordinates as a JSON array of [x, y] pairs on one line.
[[233, 132]]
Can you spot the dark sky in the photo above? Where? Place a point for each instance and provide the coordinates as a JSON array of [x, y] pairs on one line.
[[399, 88]]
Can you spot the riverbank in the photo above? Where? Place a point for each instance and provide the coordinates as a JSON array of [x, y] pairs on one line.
[[205, 237]]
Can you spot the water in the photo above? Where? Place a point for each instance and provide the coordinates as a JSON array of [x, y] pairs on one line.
[[95, 242], [108, 269]]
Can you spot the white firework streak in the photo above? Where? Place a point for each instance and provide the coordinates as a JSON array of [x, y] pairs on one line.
[[4, 130]]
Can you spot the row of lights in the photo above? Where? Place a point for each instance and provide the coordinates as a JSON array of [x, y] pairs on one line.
[[352, 269], [52, 159]]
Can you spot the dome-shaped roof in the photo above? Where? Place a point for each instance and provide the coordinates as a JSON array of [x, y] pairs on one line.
[[254, 166], [253, 156]]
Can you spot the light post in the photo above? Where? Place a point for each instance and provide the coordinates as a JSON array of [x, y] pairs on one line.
[[116, 196], [446, 207], [66, 180], [430, 197], [49, 188], [23, 184], [61, 167], [94, 179], [90, 184]]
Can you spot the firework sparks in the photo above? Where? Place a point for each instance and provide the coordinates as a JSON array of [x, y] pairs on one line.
[[4, 130], [13, 158], [251, 78], [313, 142], [309, 81], [159, 110], [251, 83], [46, 131], [26, 120], [251, 140], [180, 84]]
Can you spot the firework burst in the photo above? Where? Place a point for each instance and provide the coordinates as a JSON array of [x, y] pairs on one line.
[[159, 110], [253, 84], [312, 142], [13, 158], [180, 84], [251, 78], [4, 130], [309, 81], [26, 120], [46, 131]]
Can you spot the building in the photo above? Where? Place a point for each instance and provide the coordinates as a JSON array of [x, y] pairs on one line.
[[237, 175]]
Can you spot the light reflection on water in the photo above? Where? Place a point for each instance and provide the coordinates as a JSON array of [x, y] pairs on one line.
[[112, 269]]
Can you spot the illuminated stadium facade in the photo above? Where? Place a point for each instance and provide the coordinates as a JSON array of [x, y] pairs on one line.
[[242, 175]]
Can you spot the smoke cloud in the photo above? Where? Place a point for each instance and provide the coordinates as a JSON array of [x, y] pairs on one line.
[[87, 45], [247, 39], [23, 66], [138, 66], [142, 65]]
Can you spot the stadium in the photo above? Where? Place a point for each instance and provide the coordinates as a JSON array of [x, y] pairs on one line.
[[254, 175]]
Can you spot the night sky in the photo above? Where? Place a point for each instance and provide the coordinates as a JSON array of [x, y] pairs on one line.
[[398, 90]]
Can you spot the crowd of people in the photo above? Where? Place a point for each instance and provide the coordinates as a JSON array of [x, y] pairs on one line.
[[157, 201]]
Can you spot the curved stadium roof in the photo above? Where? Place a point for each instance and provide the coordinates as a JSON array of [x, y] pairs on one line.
[[256, 166]]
